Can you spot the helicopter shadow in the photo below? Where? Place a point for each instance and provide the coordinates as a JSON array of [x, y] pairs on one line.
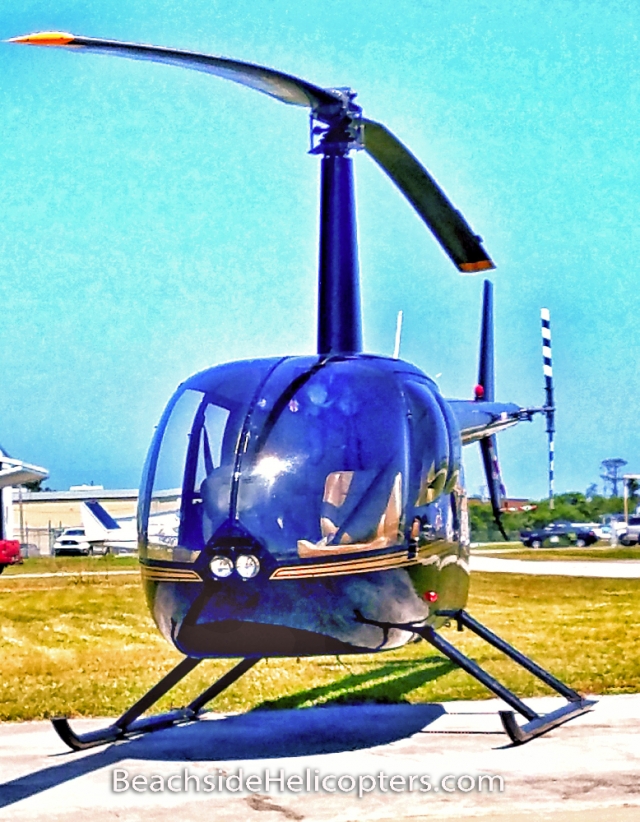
[[268, 732]]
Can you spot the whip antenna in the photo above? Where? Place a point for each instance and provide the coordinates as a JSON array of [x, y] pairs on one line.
[[396, 347]]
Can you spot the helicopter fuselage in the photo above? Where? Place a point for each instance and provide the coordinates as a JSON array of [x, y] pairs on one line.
[[313, 497]]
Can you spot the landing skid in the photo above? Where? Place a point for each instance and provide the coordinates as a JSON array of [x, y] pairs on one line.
[[129, 723], [537, 724]]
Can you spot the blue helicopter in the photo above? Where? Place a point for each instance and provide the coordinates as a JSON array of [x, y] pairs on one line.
[[320, 507]]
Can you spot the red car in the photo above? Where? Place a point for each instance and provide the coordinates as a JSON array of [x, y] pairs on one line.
[[9, 553]]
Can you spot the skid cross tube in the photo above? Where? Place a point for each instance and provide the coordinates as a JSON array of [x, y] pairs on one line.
[[129, 723], [466, 620]]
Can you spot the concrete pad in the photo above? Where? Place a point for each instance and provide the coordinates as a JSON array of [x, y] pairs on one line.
[[584, 770]]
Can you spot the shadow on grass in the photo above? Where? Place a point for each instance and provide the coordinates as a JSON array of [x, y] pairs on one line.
[[388, 684]]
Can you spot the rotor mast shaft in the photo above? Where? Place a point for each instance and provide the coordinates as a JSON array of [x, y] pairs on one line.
[[339, 315]]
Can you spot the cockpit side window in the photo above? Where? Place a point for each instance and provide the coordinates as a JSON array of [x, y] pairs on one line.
[[430, 444], [191, 451], [206, 486]]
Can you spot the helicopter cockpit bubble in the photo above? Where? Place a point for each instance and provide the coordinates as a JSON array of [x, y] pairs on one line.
[[305, 457]]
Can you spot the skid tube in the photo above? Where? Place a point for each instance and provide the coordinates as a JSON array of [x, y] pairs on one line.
[[129, 724], [536, 725]]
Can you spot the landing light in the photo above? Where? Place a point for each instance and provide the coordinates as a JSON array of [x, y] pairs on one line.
[[248, 566], [221, 567]]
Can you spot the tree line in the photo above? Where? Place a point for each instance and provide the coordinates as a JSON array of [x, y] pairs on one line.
[[574, 507]]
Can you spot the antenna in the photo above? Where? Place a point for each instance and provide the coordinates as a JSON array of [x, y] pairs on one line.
[[549, 409], [396, 347]]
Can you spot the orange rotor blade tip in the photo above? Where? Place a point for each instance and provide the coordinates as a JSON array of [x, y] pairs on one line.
[[474, 268], [44, 38]]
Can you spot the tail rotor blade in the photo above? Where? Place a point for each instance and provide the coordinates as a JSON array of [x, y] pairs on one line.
[[449, 227], [548, 384], [489, 451]]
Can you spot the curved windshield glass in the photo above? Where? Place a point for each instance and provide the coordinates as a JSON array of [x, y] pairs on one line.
[[323, 472], [187, 487], [430, 443]]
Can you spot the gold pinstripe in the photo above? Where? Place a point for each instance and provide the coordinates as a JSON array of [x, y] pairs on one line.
[[361, 565]]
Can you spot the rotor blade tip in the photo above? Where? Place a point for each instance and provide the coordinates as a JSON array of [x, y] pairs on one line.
[[44, 38], [475, 268]]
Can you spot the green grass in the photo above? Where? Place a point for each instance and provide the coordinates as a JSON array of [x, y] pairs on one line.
[[86, 646], [47, 565]]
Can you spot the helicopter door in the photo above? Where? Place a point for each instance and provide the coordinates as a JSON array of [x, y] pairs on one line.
[[191, 449]]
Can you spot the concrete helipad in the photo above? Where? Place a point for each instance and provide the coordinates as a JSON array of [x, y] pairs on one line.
[[587, 770]]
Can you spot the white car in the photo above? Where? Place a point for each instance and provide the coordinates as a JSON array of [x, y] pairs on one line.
[[72, 541]]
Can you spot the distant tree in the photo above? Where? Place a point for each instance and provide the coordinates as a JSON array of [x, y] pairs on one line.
[[591, 491], [611, 474], [573, 506], [35, 485]]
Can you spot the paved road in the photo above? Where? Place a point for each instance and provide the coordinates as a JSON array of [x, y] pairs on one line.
[[569, 775], [618, 569]]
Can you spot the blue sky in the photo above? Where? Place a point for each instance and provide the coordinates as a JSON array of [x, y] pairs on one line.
[[155, 221]]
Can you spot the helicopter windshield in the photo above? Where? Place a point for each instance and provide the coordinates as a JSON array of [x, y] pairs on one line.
[[323, 473]]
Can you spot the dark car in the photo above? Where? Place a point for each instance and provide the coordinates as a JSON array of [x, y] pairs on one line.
[[558, 534]]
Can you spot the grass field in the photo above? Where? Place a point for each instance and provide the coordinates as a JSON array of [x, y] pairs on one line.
[[86, 645]]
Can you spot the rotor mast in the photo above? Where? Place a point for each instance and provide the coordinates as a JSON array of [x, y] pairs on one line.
[[339, 312]]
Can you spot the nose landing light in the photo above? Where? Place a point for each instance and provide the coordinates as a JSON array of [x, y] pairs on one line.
[[248, 566], [221, 567]]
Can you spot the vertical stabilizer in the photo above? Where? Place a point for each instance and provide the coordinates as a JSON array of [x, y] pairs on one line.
[[486, 379]]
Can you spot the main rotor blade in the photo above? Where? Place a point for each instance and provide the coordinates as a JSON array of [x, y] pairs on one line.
[[283, 87], [414, 181]]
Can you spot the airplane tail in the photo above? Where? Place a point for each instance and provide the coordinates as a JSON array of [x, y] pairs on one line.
[[97, 522]]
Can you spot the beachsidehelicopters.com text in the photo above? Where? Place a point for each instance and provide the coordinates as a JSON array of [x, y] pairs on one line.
[[307, 781]]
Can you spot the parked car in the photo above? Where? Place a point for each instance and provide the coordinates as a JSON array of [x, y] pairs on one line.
[[72, 541], [9, 553], [630, 534], [558, 534]]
